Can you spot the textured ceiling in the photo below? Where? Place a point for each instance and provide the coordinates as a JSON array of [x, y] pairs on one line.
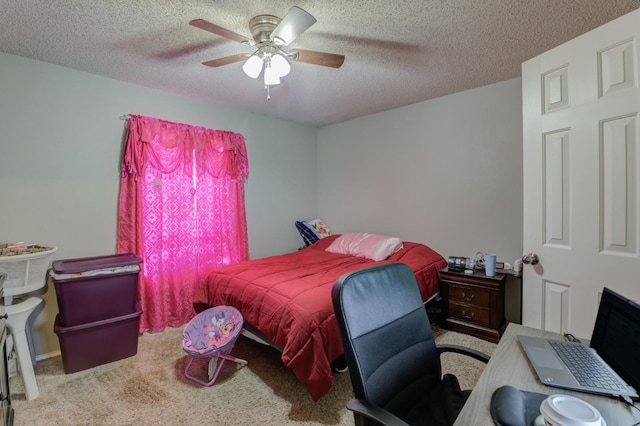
[[397, 52]]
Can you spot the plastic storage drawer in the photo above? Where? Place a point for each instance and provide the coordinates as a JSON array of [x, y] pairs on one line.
[[95, 288], [90, 345]]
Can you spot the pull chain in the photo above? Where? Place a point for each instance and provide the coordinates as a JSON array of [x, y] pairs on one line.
[[267, 88]]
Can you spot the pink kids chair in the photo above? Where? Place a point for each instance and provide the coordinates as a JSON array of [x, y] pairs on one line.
[[212, 334]]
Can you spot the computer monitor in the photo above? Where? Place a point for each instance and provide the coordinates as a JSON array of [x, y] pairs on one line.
[[616, 335]]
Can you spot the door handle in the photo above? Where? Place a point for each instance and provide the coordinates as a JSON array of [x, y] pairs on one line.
[[530, 259]]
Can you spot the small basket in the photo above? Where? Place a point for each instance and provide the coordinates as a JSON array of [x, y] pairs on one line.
[[26, 269]]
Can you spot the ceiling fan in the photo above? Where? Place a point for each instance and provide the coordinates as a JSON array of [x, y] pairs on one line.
[[271, 37]]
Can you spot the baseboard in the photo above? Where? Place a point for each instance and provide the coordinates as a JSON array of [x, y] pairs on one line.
[[48, 355]]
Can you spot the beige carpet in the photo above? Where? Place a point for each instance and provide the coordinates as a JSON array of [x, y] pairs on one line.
[[150, 389]]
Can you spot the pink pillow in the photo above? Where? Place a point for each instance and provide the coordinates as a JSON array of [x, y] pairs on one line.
[[371, 246]]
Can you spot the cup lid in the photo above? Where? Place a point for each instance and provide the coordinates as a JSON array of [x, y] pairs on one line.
[[565, 410]]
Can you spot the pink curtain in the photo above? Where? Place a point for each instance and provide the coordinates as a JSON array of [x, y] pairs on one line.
[[181, 209]]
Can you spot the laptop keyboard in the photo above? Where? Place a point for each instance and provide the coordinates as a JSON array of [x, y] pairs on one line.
[[585, 367]]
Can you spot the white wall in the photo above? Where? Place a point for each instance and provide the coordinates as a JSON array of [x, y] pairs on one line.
[[445, 172], [60, 143]]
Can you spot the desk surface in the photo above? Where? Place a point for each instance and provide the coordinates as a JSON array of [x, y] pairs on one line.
[[509, 366]]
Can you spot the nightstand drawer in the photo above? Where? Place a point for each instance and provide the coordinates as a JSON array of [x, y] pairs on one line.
[[469, 295], [472, 314]]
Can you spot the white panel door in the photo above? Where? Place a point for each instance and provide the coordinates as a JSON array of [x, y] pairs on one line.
[[582, 176]]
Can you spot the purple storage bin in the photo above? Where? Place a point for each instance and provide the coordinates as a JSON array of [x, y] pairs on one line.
[[95, 288], [90, 345]]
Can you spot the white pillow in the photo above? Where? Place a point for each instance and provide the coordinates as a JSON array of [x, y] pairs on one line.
[[362, 244]]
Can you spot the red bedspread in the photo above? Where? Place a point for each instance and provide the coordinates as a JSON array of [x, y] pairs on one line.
[[288, 298]]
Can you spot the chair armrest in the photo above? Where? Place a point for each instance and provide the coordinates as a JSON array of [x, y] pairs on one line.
[[374, 412], [480, 356]]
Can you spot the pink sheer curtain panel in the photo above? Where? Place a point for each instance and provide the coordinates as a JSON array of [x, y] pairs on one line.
[[181, 209]]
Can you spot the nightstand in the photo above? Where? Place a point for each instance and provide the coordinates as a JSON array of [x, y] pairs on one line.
[[474, 303]]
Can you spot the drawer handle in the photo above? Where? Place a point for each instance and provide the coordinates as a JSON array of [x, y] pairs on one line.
[[467, 316], [468, 298]]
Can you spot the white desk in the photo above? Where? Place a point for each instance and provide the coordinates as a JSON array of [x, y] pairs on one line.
[[509, 366]]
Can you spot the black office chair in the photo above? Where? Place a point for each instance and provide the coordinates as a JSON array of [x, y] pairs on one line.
[[393, 360]]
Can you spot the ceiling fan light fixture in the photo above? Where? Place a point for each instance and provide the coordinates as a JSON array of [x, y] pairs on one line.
[[253, 66], [280, 65], [271, 77], [270, 35]]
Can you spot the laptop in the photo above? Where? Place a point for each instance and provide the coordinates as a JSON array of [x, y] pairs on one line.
[[614, 347]]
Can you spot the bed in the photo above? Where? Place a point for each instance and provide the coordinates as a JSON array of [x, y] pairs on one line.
[[287, 298]]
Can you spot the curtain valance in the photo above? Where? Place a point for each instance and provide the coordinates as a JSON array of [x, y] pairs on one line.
[[166, 146]]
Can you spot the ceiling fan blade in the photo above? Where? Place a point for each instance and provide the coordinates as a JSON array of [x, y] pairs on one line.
[[294, 23], [317, 58], [226, 60], [222, 32]]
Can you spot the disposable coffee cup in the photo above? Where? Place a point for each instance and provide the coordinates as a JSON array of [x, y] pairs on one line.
[[489, 264], [565, 410]]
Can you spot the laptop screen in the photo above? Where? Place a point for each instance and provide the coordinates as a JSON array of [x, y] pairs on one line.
[[616, 335]]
